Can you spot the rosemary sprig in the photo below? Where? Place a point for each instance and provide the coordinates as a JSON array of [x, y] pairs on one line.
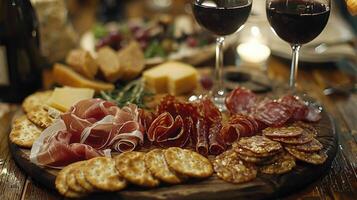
[[133, 92]]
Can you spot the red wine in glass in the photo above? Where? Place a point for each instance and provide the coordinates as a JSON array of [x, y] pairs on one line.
[[222, 18], [297, 22]]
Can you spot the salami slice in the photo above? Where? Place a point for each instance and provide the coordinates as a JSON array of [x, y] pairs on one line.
[[167, 131], [298, 107], [209, 111], [202, 137], [240, 101], [216, 143], [229, 133], [273, 113]]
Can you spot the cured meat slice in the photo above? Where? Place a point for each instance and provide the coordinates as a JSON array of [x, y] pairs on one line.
[[90, 128], [297, 106], [209, 111], [202, 137], [229, 133], [167, 131], [216, 142], [55, 149], [241, 101], [273, 113]]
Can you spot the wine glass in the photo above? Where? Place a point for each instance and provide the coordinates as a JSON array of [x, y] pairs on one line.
[[297, 22], [222, 18]]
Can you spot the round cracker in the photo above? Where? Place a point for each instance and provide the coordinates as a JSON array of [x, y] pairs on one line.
[[289, 131], [259, 144], [35, 100], [71, 179], [305, 137], [312, 146], [81, 179], [187, 162], [24, 132], [102, 174], [283, 164], [315, 158], [307, 127], [252, 159], [156, 164], [231, 169], [61, 183], [246, 152], [40, 117], [132, 166]]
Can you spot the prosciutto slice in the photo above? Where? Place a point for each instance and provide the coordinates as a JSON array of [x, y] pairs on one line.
[[91, 128]]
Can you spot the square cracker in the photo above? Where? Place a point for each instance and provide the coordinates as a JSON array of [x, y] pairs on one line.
[[24, 132]]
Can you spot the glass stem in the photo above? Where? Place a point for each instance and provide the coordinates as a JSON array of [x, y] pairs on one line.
[[294, 66], [219, 67]]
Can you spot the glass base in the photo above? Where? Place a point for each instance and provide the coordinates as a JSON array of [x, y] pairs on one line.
[[219, 100]]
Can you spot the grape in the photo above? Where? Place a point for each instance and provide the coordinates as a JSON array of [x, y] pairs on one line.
[[115, 37], [206, 82], [191, 42]]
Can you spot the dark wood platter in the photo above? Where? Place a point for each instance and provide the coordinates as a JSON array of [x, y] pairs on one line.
[[264, 186]]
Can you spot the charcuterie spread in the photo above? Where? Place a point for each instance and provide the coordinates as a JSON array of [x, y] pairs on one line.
[[99, 144]]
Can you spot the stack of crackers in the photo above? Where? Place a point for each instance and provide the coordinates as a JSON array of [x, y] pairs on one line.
[[27, 128], [171, 166], [299, 139], [274, 152]]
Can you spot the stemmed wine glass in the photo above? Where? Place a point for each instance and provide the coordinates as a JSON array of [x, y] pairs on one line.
[[222, 18], [297, 22]]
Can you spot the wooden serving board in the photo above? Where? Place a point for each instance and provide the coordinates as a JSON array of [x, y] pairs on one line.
[[264, 186]]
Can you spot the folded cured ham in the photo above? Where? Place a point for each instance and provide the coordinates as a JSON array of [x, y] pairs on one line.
[[91, 128]]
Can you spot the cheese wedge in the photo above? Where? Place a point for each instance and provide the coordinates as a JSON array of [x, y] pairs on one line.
[[63, 98], [68, 77], [171, 77]]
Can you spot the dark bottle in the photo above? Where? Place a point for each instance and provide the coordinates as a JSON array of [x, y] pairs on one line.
[[20, 71], [297, 21]]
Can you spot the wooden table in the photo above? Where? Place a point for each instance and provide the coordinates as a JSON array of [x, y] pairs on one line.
[[339, 183]]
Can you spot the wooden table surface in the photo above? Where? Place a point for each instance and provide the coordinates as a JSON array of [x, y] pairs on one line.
[[339, 183]]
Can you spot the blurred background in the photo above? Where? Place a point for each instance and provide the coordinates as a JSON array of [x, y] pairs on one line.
[[77, 18]]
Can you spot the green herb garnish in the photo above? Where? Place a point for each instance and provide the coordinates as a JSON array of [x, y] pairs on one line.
[[133, 92]]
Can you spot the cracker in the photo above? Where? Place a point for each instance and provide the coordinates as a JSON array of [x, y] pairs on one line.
[[132, 166], [259, 144], [307, 127], [246, 152], [102, 174], [157, 165], [40, 117], [61, 183], [315, 158], [35, 100], [71, 179], [81, 179], [290, 131], [24, 132], [283, 164], [312, 146], [302, 139], [252, 159], [231, 169], [187, 162]]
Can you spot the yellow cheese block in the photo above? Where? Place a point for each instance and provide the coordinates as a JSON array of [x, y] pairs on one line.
[[63, 98], [171, 77]]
